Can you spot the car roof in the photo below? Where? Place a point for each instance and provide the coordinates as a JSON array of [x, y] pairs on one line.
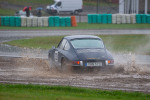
[[81, 36]]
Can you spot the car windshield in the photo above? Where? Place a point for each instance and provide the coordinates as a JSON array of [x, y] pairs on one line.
[[87, 43]]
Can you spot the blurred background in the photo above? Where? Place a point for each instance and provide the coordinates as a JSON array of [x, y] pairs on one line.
[[10, 7]]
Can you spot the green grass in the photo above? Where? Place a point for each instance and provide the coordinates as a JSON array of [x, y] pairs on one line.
[[8, 12], [83, 26], [38, 92], [117, 43]]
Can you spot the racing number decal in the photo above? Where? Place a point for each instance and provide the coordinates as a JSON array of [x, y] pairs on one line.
[[56, 56]]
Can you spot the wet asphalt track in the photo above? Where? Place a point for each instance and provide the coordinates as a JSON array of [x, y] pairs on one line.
[[17, 65]]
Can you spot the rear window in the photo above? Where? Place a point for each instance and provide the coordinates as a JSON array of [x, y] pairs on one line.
[[87, 43]]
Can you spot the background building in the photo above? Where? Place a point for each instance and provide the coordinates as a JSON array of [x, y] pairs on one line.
[[134, 6]]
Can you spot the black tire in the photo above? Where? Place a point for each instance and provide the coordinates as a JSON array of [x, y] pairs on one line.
[[76, 12], [66, 66]]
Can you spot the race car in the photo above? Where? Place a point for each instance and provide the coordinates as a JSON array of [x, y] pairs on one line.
[[80, 51]]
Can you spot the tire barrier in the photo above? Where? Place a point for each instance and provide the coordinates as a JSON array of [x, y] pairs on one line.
[[100, 18], [62, 22], [40, 22], [68, 21], [114, 19], [0, 21], [118, 18], [12, 21], [45, 21], [6, 21], [148, 19], [73, 21], [52, 21], [18, 21], [23, 21], [29, 21], [34, 22]]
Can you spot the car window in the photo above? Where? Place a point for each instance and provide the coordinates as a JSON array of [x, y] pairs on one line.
[[87, 43], [67, 46], [58, 3], [62, 44]]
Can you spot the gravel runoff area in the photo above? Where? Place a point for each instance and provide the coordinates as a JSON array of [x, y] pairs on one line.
[[126, 75]]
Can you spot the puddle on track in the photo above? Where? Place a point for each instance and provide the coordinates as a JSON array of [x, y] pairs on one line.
[[123, 76]]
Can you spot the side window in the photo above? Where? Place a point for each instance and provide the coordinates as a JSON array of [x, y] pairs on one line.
[[67, 46], [62, 44], [58, 3]]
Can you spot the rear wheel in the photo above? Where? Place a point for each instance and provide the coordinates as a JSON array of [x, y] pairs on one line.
[[76, 12], [66, 66]]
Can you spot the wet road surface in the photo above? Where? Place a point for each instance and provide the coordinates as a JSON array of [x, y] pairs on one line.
[[28, 66], [38, 71]]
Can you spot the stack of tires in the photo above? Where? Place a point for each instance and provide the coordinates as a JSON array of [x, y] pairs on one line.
[[100, 18], [68, 21], [148, 19], [118, 18]]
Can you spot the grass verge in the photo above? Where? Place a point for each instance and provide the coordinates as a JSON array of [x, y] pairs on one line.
[[38, 92], [117, 43], [84, 26]]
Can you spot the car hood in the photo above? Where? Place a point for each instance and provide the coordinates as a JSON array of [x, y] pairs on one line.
[[91, 54]]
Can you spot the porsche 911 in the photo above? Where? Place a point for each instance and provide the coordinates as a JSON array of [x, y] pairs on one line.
[[80, 51]]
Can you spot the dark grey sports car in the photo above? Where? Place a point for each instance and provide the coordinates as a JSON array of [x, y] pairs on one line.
[[80, 51]]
